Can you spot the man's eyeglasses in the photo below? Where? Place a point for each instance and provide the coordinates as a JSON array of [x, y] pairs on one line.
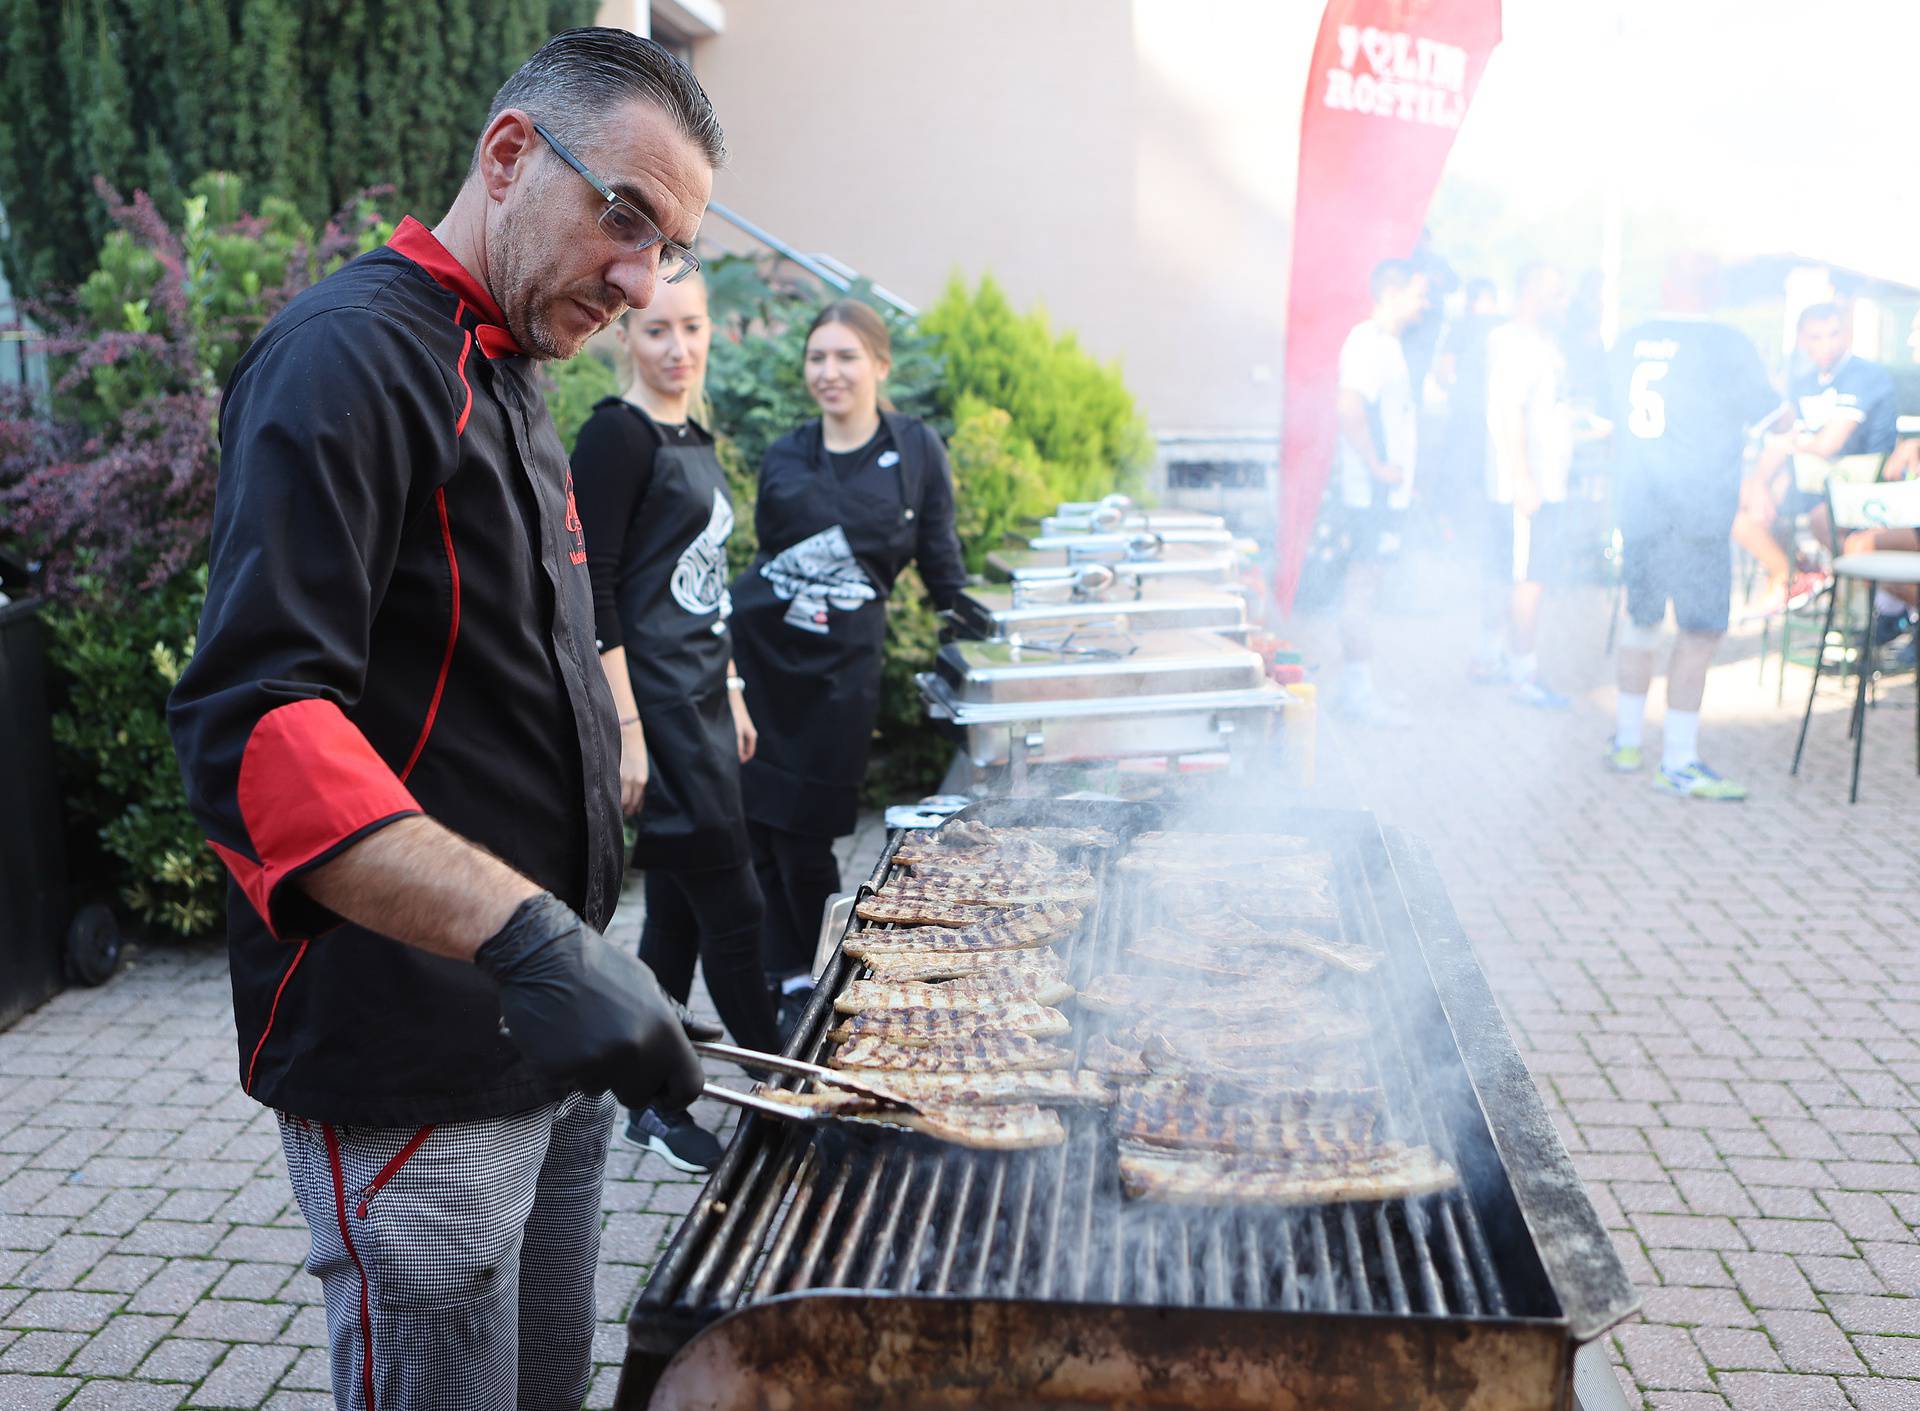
[[627, 227]]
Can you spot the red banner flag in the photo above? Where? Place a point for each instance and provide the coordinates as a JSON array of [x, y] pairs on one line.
[[1389, 84]]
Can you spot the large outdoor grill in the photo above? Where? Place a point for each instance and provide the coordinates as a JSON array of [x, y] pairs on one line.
[[821, 1270]]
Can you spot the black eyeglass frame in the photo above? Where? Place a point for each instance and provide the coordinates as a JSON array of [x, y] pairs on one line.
[[688, 262]]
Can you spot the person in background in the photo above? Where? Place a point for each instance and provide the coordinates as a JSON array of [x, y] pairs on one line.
[[1690, 392], [1379, 432], [846, 502], [1530, 438], [1459, 486], [1845, 407], [655, 510]]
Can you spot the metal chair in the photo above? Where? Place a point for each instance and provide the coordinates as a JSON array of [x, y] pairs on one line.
[[1813, 474], [1851, 506]]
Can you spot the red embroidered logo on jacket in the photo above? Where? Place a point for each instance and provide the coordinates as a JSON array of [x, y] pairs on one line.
[[578, 554]]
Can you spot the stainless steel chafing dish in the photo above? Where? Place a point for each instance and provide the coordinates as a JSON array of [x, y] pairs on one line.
[[1035, 610], [1118, 512], [1102, 693], [1095, 662], [1141, 556]]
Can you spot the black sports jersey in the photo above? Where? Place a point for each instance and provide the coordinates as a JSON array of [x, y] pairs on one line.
[[1858, 391], [398, 621], [1686, 392]]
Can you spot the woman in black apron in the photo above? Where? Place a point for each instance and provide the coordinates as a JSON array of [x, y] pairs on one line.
[[654, 508], [845, 503]]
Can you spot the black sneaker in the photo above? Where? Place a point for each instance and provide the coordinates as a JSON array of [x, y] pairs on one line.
[[675, 1138]]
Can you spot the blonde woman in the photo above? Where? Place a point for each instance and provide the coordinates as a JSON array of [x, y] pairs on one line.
[[655, 511], [846, 502]]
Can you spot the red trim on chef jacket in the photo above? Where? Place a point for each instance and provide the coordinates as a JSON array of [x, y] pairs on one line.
[[418, 244], [308, 782]]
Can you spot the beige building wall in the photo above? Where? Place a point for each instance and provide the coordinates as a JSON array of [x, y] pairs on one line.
[[1126, 163]]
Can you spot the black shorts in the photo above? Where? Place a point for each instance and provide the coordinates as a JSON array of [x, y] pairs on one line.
[[1374, 533], [1694, 571], [1541, 557]]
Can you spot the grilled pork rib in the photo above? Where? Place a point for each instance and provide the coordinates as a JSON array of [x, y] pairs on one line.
[[1039, 962], [1003, 1127], [988, 1051], [1046, 1087], [979, 928], [918, 1025], [989, 989], [1293, 1123], [1386, 1172]]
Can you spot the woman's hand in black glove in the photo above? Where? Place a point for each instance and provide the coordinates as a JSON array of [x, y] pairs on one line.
[[581, 1008]]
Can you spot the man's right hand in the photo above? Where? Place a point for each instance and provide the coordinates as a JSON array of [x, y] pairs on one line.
[[582, 1009]]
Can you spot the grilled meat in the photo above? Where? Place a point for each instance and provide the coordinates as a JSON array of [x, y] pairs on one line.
[[988, 990], [1168, 1049], [1385, 1172], [1009, 853], [983, 928], [1266, 969], [1298, 1124], [1230, 929], [1114, 1060], [1002, 1127], [993, 1051], [944, 889], [1276, 902], [1046, 1087], [1041, 962], [918, 1025], [1136, 997], [964, 835]]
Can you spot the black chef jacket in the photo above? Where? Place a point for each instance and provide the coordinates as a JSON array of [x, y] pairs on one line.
[[398, 621]]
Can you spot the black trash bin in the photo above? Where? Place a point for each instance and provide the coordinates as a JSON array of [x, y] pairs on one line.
[[33, 873]]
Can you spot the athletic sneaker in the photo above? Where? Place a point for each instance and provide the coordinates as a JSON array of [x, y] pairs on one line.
[[675, 1138], [1697, 781], [1532, 693], [1623, 759]]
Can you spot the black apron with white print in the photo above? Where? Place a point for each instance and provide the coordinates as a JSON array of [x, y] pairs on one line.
[[811, 623], [674, 610]]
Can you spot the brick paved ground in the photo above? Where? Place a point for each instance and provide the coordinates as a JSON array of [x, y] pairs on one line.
[[149, 1248], [1720, 1003]]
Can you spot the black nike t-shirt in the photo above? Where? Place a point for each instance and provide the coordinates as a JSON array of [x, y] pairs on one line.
[[1686, 392]]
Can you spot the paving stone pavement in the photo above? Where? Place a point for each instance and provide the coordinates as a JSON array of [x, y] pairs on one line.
[[150, 1251], [1718, 1002], [1721, 1003]]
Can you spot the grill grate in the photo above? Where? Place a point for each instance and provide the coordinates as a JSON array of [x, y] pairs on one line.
[[888, 1213]]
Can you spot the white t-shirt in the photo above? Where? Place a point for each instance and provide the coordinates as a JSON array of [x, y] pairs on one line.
[[1527, 371], [1373, 365]]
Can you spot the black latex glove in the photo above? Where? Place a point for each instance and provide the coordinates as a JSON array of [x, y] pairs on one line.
[[585, 1010]]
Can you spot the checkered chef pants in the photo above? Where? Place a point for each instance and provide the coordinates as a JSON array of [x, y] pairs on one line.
[[458, 1260]]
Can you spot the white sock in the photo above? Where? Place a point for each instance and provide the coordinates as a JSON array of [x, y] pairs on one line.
[[1525, 668], [1887, 605], [1630, 716], [1493, 643], [1360, 678], [1682, 744]]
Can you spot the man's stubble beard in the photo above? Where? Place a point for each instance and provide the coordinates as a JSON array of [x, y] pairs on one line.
[[528, 316]]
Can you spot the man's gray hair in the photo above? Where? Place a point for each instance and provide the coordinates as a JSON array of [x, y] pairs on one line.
[[580, 75]]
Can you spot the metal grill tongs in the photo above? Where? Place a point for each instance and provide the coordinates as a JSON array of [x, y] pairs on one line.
[[883, 1102]]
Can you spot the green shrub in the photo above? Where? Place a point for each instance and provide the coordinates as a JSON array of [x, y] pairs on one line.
[[998, 478], [571, 389], [117, 657], [1075, 410]]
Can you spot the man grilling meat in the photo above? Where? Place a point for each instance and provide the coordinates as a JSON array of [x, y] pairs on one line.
[[398, 737]]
